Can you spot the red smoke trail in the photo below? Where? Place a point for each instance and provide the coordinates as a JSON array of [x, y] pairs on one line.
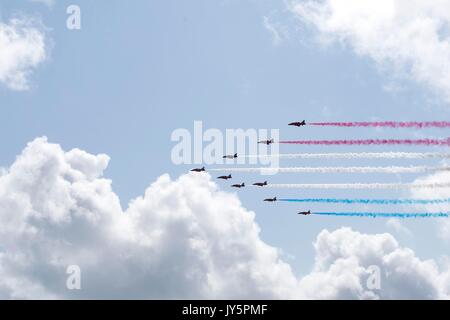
[[417, 142], [387, 124]]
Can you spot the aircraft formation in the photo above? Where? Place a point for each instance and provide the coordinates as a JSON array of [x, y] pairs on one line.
[[256, 184], [430, 142]]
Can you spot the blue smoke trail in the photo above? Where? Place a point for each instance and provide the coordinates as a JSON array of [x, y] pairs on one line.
[[384, 215], [369, 201]]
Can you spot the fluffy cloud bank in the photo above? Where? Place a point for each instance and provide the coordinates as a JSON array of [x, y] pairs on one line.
[[183, 238], [343, 268], [412, 36], [22, 49]]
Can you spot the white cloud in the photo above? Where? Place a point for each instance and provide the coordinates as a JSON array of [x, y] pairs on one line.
[[343, 260], [22, 49], [183, 238], [411, 36]]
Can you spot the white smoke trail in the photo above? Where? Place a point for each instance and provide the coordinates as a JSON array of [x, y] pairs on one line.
[[361, 186], [360, 155], [367, 201], [392, 169]]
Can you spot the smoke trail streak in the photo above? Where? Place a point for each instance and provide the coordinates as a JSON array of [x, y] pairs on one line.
[[368, 201], [361, 186], [384, 215], [411, 142], [351, 155], [393, 169], [387, 124]]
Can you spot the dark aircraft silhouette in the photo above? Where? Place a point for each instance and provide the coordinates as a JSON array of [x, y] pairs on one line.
[[267, 141], [260, 184], [298, 124], [230, 156], [199, 169], [271, 199], [305, 213], [225, 177], [238, 185]]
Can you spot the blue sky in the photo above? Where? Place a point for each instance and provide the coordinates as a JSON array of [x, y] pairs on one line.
[[136, 72]]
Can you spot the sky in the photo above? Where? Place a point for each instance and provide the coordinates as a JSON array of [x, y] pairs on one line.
[[136, 72]]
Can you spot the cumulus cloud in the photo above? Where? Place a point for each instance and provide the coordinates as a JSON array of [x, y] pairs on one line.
[[344, 259], [411, 36], [22, 49], [182, 238]]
